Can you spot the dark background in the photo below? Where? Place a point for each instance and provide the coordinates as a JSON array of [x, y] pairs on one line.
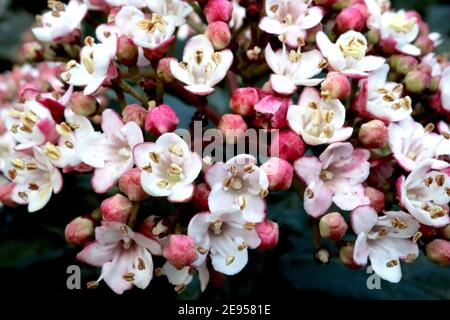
[[34, 256]]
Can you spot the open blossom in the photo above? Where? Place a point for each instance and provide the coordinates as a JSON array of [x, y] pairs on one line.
[[239, 182], [202, 68], [444, 146], [168, 167], [382, 99], [293, 68], [384, 240], [95, 65], [35, 179], [125, 256], [432, 61], [411, 144], [290, 18], [61, 21], [179, 278], [336, 176], [444, 87], [7, 144], [317, 120], [121, 3], [425, 193], [225, 236], [176, 8], [110, 152], [348, 54], [396, 27]]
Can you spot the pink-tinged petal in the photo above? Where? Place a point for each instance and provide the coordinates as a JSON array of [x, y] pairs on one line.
[[56, 180], [203, 275], [153, 246], [110, 233], [216, 174], [315, 15], [141, 153], [404, 247], [336, 153], [112, 123], [292, 34], [47, 127], [55, 107], [179, 73], [361, 250], [255, 210], [194, 165], [330, 51], [113, 272], [132, 133], [308, 168], [93, 85], [341, 134], [412, 226], [363, 219], [219, 198], [307, 96], [198, 41], [370, 63], [149, 182], [241, 161], [199, 89], [360, 102], [380, 256], [355, 74], [282, 84], [406, 163], [104, 178], [198, 228], [309, 82], [96, 254], [351, 197], [317, 199], [295, 118], [142, 277], [222, 68], [377, 78], [181, 193], [38, 199], [409, 49], [271, 25], [324, 43], [228, 247], [272, 59]]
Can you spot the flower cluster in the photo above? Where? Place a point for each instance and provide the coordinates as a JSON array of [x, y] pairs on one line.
[[355, 103]]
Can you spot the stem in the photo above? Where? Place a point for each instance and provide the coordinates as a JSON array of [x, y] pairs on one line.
[[317, 240], [198, 10], [239, 31], [129, 89], [159, 91], [120, 98], [133, 215]]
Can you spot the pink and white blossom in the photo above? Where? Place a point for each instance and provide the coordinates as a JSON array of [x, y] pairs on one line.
[[179, 278], [122, 3], [384, 240], [335, 176], [177, 9], [318, 120], [168, 167], [444, 147], [348, 54], [444, 88], [239, 182]]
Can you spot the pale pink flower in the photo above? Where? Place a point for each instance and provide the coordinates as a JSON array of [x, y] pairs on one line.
[[431, 61], [444, 87], [444, 146], [125, 256], [179, 278], [121, 3], [336, 176], [168, 167], [239, 182], [318, 120], [7, 145], [384, 240], [177, 9]]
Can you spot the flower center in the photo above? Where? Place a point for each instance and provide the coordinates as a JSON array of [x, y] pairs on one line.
[[216, 226], [151, 25], [353, 47], [125, 152], [400, 24], [326, 175], [175, 173]]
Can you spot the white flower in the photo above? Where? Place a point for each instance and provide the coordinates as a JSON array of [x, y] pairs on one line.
[[381, 99], [7, 145], [432, 61], [238, 15], [444, 87], [348, 54], [35, 179], [121, 3], [168, 167], [176, 8], [318, 121], [61, 21], [426, 194], [124, 256], [238, 182], [444, 147], [290, 18], [411, 144], [384, 240], [179, 278], [201, 68], [95, 65], [397, 27], [224, 236], [293, 68], [110, 152]]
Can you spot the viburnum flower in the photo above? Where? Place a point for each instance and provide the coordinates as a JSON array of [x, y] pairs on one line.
[[125, 256], [290, 18], [179, 278], [384, 240], [239, 182], [7, 145], [201, 68], [432, 61], [121, 3], [425, 193], [110, 152], [317, 120], [348, 54], [61, 21], [444, 146], [35, 178], [336, 176], [168, 167], [382, 99], [411, 144], [176, 8], [95, 65], [444, 86], [225, 236], [293, 68]]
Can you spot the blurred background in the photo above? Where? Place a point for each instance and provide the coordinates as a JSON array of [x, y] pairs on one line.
[[34, 255]]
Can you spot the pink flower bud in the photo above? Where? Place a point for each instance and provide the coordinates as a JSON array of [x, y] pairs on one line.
[[154, 227], [402, 63], [438, 251], [335, 86], [233, 127], [350, 19], [268, 234], [279, 172], [136, 113], [271, 112], [416, 81], [243, 101], [219, 34], [200, 197], [287, 145], [346, 256], [376, 198], [425, 44], [218, 10], [373, 134], [130, 185], [333, 226], [116, 208], [180, 251], [161, 119], [433, 86], [127, 51], [6, 190], [79, 231], [445, 232], [32, 51], [163, 70], [83, 105]]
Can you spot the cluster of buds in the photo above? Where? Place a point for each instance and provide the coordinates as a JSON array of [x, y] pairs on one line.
[[355, 104]]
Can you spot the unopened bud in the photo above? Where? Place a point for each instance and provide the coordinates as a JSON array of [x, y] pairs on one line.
[[268, 234], [127, 51], [83, 105], [333, 226], [219, 34], [200, 197], [350, 19], [287, 145], [243, 101], [373, 134], [130, 185], [161, 119], [279, 172], [416, 81], [163, 70], [335, 86], [218, 10], [233, 127], [346, 256], [116, 208], [376, 198], [135, 113], [438, 251], [180, 251], [79, 231]]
